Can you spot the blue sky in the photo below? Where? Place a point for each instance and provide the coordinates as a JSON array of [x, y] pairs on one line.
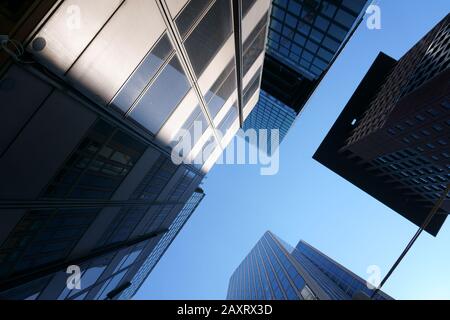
[[307, 201]]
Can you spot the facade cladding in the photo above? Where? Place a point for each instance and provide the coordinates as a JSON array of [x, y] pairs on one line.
[[274, 270], [399, 137], [85, 154], [304, 37]]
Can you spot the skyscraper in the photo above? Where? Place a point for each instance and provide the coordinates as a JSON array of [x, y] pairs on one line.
[[96, 95], [274, 270], [304, 39], [392, 139]]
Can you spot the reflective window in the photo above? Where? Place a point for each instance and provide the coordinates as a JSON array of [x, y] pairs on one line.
[[254, 44], [190, 14], [110, 285], [195, 127], [88, 278], [205, 153], [143, 75], [246, 6], [127, 260], [221, 90], [162, 97], [307, 294], [251, 87], [209, 35], [228, 120]]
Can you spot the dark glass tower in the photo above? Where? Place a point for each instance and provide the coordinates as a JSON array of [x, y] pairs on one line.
[[392, 139], [304, 39], [274, 270]]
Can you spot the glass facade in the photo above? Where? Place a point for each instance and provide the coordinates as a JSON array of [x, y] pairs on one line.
[[163, 244], [95, 169], [306, 35], [274, 270], [99, 151], [270, 113], [303, 37]]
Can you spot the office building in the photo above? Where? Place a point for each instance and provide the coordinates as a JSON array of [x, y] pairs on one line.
[[274, 270], [304, 39], [95, 95], [392, 138]]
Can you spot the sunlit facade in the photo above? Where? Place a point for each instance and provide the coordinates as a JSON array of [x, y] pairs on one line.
[[100, 97]]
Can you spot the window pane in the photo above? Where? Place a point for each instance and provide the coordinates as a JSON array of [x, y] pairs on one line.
[[251, 87], [221, 90], [190, 14], [143, 74], [109, 286], [228, 120], [254, 44], [208, 37], [195, 126], [246, 6], [162, 97]]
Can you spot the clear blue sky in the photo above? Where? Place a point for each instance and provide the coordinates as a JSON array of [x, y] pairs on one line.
[[306, 200]]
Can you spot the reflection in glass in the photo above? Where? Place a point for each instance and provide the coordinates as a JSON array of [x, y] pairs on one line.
[[131, 90], [246, 6], [205, 153], [209, 35], [221, 90], [190, 14], [251, 87], [110, 285], [254, 44], [228, 120], [193, 128], [162, 97]]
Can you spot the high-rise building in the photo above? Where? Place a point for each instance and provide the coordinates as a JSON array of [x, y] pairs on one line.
[[95, 97], [304, 39], [392, 139], [274, 270]]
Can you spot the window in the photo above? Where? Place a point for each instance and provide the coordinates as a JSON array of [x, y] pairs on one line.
[[209, 35], [246, 6], [345, 18], [88, 278], [190, 14], [337, 32], [221, 90], [162, 97], [228, 120], [254, 44], [110, 285], [143, 75], [196, 126], [251, 87]]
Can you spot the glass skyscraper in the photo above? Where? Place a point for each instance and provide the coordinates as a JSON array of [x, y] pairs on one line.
[[274, 270], [304, 38], [94, 105]]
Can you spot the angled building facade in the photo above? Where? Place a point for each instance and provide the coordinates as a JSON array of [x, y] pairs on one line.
[[274, 270], [97, 95], [392, 139], [304, 39]]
